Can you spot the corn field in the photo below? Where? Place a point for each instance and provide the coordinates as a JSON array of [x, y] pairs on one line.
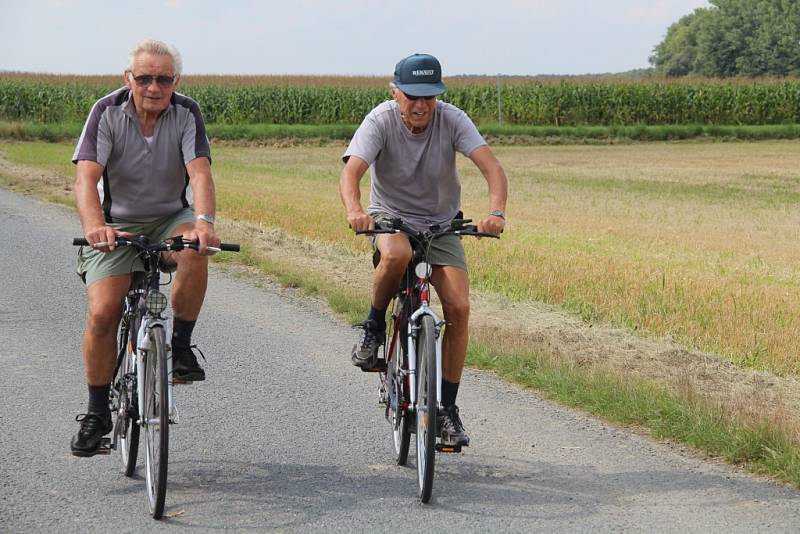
[[535, 102]]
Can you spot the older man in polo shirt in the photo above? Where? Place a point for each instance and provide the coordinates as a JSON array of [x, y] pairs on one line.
[[141, 157], [409, 145]]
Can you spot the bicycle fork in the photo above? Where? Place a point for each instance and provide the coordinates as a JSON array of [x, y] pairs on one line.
[[413, 332], [143, 348]]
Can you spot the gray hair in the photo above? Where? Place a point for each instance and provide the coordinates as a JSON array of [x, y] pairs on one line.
[[158, 48]]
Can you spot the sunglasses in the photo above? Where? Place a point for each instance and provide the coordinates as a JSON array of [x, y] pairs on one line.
[[146, 79], [412, 97]]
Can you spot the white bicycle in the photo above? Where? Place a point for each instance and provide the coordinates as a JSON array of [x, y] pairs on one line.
[[141, 389]]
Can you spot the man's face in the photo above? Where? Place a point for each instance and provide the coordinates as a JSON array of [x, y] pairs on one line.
[[151, 95], [417, 113]]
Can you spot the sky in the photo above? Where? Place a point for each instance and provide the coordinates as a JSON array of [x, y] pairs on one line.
[[345, 37]]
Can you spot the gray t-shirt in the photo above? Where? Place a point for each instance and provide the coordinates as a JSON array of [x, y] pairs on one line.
[[142, 180], [414, 176]]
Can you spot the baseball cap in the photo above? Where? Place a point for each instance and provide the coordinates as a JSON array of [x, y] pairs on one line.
[[419, 75]]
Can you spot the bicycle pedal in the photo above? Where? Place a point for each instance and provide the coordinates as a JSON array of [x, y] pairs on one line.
[[105, 446], [379, 367], [181, 382], [447, 448]]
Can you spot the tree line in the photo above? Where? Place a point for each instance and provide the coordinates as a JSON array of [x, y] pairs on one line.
[[733, 38]]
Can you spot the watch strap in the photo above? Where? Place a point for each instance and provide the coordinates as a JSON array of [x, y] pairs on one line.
[[206, 218]]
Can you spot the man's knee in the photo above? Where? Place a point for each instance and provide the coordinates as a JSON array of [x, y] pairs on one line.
[[395, 258], [191, 261], [457, 311], [104, 307], [103, 319]]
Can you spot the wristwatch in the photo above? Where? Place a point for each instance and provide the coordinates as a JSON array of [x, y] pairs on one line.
[[498, 213], [206, 217]]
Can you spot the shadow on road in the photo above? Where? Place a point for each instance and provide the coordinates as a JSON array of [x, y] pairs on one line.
[[272, 495]]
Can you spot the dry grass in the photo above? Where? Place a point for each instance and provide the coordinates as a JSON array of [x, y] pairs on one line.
[[697, 241], [693, 241]]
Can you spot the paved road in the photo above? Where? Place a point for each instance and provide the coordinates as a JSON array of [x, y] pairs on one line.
[[285, 435]]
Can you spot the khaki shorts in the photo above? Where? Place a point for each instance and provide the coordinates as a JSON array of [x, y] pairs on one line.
[[445, 250], [94, 265]]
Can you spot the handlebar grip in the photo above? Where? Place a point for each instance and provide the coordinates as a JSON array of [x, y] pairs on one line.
[[79, 242], [229, 247], [377, 231]]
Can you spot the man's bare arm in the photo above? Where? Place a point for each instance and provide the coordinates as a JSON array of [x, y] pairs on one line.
[[93, 221], [205, 202], [490, 167], [350, 193]]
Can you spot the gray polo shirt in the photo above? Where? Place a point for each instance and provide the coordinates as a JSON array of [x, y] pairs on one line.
[[143, 180], [414, 176]]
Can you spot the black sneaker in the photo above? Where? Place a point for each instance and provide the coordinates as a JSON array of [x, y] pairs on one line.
[[184, 365], [365, 354], [451, 428], [93, 427]]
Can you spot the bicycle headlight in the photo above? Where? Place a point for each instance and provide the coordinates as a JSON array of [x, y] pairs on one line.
[[422, 270], [156, 302]]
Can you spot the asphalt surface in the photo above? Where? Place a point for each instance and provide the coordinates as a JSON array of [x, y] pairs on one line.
[[286, 436]]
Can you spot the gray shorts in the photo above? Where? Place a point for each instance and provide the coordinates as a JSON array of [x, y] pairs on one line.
[[94, 265], [445, 250]]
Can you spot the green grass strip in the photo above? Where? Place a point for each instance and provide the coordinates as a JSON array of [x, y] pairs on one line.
[[503, 134], [638, 403], [255, 132], [647, 133]]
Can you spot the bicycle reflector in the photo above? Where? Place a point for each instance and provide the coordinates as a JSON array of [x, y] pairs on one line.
[[422, 270], [156, 302]]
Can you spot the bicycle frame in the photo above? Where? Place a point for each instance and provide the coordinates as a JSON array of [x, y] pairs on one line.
[[150, 320], [422, 286]]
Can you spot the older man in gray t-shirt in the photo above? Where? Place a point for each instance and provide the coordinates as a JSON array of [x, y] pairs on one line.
[[409, 145], [142, 149]]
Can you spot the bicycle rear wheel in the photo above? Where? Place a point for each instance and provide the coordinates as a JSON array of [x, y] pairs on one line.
[[126, 427], [156, 420], [427, 410], [398, 402]]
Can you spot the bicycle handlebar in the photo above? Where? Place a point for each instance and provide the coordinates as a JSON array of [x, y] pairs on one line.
[[157, 247], [456, 227]]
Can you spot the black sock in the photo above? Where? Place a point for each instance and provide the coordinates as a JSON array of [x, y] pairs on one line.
[[449, 393], [379, 316], [98, 399], [182, 332]]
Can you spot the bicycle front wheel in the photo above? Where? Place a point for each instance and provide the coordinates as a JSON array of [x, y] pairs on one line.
[[126, 410], [427, 410], [156, 420]]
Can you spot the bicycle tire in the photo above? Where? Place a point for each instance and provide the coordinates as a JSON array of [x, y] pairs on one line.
[[400, 417], [126, 411], [156, 421], [427, 409]]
